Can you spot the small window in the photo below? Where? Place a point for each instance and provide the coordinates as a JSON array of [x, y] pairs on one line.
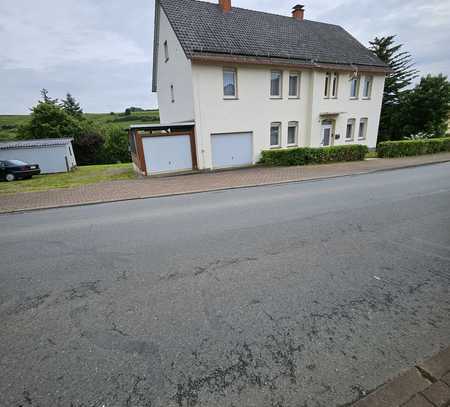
[[292, 133], [362, 129], [275, 84], [275, 130], [326, 92], [334, 85], [367, 89], [350, 132], [294, 85], [70, 151], [229, 83], [172, 94], [166, 51], [354, 87]]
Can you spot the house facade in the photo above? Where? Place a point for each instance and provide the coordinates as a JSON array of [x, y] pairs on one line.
[[252, 81]]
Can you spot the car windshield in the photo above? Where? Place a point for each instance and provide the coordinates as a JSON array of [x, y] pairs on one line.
[[14, 162]]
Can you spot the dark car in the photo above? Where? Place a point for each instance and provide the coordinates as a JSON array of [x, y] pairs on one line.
[[15, 169]]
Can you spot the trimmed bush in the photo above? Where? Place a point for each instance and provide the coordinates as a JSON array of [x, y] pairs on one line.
[[307, 155], [405, 148]]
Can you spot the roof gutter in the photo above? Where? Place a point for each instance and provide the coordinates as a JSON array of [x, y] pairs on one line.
[[217, 58], [155, 47]]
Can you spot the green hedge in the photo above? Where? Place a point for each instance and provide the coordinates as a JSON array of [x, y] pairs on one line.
[[389, 149], [304, 156]]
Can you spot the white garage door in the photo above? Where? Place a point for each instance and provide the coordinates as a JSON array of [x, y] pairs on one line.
[[232, 150], [167, 153]]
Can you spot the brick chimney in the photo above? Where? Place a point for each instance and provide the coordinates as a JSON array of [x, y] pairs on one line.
[[225, 5], [298, 12]]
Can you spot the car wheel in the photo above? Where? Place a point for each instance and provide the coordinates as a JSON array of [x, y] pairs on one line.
[[10, 177]]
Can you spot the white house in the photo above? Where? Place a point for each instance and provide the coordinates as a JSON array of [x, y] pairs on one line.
[[250, 81], [52, 155]]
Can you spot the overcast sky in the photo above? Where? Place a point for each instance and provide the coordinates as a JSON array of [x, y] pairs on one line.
[[101, 50]]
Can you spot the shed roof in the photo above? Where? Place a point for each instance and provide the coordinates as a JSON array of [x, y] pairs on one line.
[[40, 143]]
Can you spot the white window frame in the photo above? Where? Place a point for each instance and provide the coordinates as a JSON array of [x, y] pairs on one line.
[[234, 71], [172, 93], [357, 80], [326, 91], [334, 85], [298, 76], [363, 120], [351, 121], [292, 124], [368, 83], [272, 125], [166, 51], [280, 87]]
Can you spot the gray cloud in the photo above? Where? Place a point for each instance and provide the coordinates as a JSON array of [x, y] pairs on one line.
[[101, 51]]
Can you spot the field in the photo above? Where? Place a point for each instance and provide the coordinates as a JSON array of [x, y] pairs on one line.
[[90, 174], [9, 124]]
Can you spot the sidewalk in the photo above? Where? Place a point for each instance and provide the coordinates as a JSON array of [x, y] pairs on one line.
[[425, 385], [201, 182]]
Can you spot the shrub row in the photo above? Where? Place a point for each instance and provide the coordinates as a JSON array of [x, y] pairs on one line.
[[307, 155], [389, 149]]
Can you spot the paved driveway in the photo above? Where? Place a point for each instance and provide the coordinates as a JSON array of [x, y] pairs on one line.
[[305, 294]]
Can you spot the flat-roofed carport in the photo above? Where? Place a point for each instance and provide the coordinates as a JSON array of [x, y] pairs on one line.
[[163, 148]]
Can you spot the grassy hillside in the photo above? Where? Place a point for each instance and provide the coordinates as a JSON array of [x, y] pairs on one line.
[[10, 123]]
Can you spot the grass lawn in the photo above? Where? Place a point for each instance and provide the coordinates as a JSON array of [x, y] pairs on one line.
[[372, 154], [89, 174]]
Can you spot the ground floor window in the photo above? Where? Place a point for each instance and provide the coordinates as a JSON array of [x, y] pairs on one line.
[[275, 131], [292, 133], [362, 129], [350, 132]]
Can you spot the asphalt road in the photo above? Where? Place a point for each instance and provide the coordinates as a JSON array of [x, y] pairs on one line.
[[305, 294]]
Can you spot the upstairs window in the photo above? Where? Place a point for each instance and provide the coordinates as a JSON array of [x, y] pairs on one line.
[[294, 85], [334, 85], [292, 133], [275, 131], [166, 51], [367, 89], [172, 94], [354, 87], [275, 84], [350, 132], [326, 91], [229, 83], [362, 129]]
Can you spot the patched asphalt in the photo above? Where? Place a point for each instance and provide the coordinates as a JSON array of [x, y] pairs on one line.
[[306, 294]]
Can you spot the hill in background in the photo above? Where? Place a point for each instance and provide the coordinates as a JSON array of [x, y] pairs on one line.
[[9, 124]]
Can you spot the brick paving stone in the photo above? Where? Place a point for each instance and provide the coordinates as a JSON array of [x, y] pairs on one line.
[[438, 394], [396, 392], [418, 401], [438, 365], [201, 182]]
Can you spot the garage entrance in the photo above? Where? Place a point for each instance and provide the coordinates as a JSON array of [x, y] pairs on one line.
[[232, 149], [159, 149]]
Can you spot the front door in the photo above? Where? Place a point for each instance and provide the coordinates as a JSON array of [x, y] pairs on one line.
[[326, 133]]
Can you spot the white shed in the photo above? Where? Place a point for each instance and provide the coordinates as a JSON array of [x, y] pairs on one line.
[[52, 155]]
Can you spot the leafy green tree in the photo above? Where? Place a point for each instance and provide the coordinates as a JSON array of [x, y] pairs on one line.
[[402, 75], [71, 106], [425, 109], [116, 145], [46, 98]]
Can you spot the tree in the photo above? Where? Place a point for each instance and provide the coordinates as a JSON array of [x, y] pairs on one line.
[[402, 75], [116, 145], [71, 106], [425, 108], [46, 98]]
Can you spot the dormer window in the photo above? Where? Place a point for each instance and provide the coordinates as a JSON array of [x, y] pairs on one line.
[[166, 51]]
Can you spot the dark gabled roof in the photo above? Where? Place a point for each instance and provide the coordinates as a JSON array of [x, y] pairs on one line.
[[203, 27]]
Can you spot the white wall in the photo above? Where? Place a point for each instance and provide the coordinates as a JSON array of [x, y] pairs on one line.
[[177, 72], [254, 110], [50, 159]]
